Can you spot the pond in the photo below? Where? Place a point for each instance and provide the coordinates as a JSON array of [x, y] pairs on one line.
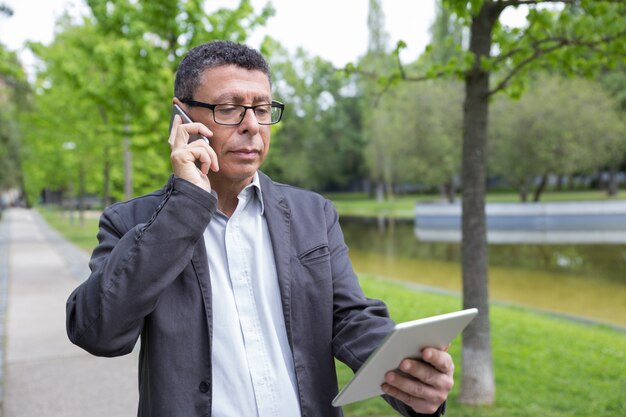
[[582, 280]]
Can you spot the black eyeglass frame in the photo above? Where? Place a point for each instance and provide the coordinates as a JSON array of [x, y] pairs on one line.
[[274, 104]]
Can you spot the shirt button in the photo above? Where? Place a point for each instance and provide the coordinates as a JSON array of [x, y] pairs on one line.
[[204, 387]]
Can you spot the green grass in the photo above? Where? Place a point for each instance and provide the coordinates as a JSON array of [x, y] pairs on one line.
[[544, 366], [360, 204], [69, 225]]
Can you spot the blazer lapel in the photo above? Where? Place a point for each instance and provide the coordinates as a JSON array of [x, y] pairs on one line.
[[200, 264], [278, 217]]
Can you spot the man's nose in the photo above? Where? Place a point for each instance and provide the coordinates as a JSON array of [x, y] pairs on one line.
[[249, 122]]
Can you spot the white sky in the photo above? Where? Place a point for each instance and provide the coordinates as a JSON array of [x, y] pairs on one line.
[[335, 30]]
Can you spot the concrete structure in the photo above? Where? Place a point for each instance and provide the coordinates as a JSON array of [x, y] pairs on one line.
[[561, 222]]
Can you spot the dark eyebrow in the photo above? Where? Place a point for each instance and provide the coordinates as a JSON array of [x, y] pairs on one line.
[[237, 99]]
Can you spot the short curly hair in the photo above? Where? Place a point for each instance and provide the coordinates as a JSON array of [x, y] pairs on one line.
[[215, 54]]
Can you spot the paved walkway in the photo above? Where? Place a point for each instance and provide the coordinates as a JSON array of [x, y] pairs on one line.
[[44, 374]]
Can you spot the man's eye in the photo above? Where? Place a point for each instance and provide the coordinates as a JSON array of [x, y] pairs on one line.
[[262, 111], [228, 110]]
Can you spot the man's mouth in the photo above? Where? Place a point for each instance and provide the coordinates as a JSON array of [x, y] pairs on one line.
[[245, 152]]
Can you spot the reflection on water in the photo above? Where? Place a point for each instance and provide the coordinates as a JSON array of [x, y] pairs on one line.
[[582, 280]]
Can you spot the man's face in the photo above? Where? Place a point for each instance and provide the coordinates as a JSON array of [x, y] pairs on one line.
[[240, 149]]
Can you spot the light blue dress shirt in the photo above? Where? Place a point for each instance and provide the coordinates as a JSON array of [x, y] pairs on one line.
[[253, 370]]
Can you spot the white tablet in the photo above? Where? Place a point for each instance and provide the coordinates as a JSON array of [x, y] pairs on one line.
[[406, 340]]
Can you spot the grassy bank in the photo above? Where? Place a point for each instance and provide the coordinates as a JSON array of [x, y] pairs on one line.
[[82, 234], [361, 205], [544, 366]]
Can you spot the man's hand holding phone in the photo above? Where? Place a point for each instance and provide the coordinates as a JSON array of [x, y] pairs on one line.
[[191, 159]]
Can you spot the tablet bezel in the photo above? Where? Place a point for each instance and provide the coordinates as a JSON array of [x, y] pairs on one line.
[[406, 340]]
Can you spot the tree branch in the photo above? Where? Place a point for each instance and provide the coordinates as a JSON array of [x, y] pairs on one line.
[[515, 3], [538, 52], [514, 51]]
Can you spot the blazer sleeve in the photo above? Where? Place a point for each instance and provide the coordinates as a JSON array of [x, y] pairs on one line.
[[143, 247], [360, 323]]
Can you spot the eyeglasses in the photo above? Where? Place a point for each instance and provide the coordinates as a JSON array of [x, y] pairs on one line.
[[233, 114]]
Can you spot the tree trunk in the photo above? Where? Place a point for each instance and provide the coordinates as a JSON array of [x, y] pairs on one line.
[[540, 188], [128, 163], [477, 383], [447, 190], [106, 167], [81, 194], [612, 186], [380, 191], [522, 190], [559, 182], [106, 177]]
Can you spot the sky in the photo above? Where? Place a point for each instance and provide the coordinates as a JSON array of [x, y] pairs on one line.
[[335, 30]]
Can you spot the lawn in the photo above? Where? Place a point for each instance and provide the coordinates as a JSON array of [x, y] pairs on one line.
[[403, 206], [69, 225], [544, 366]]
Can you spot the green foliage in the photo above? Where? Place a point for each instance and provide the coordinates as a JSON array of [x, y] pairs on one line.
[[318, 143], [14, 94], [418, 133], [581, 38], [108, 77], [560, 126]]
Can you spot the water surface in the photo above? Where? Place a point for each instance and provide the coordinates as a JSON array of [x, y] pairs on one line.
[[588, 281]]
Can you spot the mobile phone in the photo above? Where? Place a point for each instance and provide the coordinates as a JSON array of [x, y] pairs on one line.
[[176, 110]]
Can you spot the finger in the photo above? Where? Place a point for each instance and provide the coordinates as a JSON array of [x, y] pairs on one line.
[[417, 404], [439, 359], [212, 161], [184, 130], [411, 386], [427, 405], [426, 374], [199, 129], [176, 122]]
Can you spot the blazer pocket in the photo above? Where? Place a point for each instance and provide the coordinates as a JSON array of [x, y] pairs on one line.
[[314, 255]]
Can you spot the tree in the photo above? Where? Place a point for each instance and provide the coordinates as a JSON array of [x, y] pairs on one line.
[[430, 122], [318, 143], [380, 146], [561, 126], [581, 37], [123, 60], [614, 80], [14, 95], [576, 37]]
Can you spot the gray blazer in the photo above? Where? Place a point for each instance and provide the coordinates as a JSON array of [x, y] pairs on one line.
[[150, 279]]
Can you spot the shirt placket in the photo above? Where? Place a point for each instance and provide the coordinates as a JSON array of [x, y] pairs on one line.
[[239, 263]]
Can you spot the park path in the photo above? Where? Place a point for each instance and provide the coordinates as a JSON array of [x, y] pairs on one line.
[[43, 373]]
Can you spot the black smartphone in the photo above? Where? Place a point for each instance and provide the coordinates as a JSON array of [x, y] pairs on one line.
[[176, 110]]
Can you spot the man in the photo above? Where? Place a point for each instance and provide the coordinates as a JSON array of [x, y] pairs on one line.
[[240, 288]]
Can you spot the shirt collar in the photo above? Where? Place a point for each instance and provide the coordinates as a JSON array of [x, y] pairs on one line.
[[256, 183]]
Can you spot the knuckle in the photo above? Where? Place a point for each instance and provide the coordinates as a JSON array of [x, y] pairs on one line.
[[430, 378], [417, 390], [449, 384], [440, 397], [432, 408]]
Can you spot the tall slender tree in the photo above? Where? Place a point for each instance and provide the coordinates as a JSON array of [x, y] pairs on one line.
[[379, 144], [573, 36], [577, 37]]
